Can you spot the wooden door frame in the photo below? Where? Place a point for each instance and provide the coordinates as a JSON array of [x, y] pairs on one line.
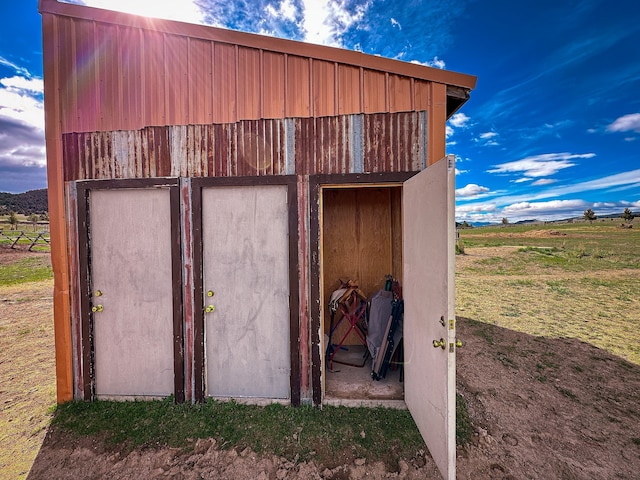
[[316, 184], [197, 184], [84, 189]]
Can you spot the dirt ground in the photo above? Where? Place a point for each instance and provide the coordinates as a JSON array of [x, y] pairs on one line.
[[542, 408]]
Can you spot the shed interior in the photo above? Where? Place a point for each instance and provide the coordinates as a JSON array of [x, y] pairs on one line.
[[361, 241]]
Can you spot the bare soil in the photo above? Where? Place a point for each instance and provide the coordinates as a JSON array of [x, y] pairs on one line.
[[542, 408]]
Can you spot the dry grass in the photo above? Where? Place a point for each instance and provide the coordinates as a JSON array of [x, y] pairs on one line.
[[27, 391], [578, 282]]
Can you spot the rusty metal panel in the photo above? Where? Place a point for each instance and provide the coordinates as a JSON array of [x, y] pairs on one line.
[[273, 85], [118, 72], [249, 88], [177, 80], [109, 100], [153, 104], [421, 95], [375, 92], [69, 81], [303, 146], [297, 99], [132, 81], [323, 88], [88, 79], [400, 94], [349, 90], [224, 83], [200, 80]]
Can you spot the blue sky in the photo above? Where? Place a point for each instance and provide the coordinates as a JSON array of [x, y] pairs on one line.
[[553, 127]]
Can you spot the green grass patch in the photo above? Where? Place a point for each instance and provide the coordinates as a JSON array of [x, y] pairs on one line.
[[464, 426], [275, 429], [559, 287], [31, 269]]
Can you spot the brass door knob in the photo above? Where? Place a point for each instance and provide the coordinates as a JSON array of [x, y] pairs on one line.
[[439, 343], [458, 343], [210, 309], [97, 308]]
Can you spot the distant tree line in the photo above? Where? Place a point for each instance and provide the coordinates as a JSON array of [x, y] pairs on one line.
[[28, 203]]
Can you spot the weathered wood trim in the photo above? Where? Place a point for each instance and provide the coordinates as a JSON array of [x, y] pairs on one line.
[[85, 310], [294, 299], [176, 273], [198, 303], [315, 305]]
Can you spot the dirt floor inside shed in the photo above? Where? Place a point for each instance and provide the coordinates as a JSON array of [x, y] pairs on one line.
[[543, 408]]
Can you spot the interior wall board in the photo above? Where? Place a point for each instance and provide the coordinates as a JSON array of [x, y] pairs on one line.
[[357, 244]]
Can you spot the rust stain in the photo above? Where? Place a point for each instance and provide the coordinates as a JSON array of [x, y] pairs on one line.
[[384, 143]]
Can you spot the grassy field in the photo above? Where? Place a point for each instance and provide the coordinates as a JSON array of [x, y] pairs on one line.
[[577, 280], [27, 389]]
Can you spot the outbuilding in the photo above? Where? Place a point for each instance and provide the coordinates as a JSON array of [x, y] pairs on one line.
[[209, 188]]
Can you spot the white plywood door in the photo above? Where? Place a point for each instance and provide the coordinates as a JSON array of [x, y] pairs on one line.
[[246, 279], [130, 232], [429, 297]]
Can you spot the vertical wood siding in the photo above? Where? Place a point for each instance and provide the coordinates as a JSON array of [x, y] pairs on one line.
[[305, 146]]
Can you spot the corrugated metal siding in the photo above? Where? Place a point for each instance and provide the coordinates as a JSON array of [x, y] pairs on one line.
[[123, 78], [303, 146]]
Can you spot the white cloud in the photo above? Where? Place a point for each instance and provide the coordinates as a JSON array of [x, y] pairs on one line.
[[448, 130], [437, 63], [459, 120], [18, 83], [20, 100], [540, 165], [185, 10], [286, 11], [476, 208], [488, 135], [22, 145], [544, 208], [325, 22], [471, 190], [626, 123], [544, 181], [18, 69], [395, 23]]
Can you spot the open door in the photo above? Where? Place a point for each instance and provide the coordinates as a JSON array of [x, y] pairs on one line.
[[429, 316]]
